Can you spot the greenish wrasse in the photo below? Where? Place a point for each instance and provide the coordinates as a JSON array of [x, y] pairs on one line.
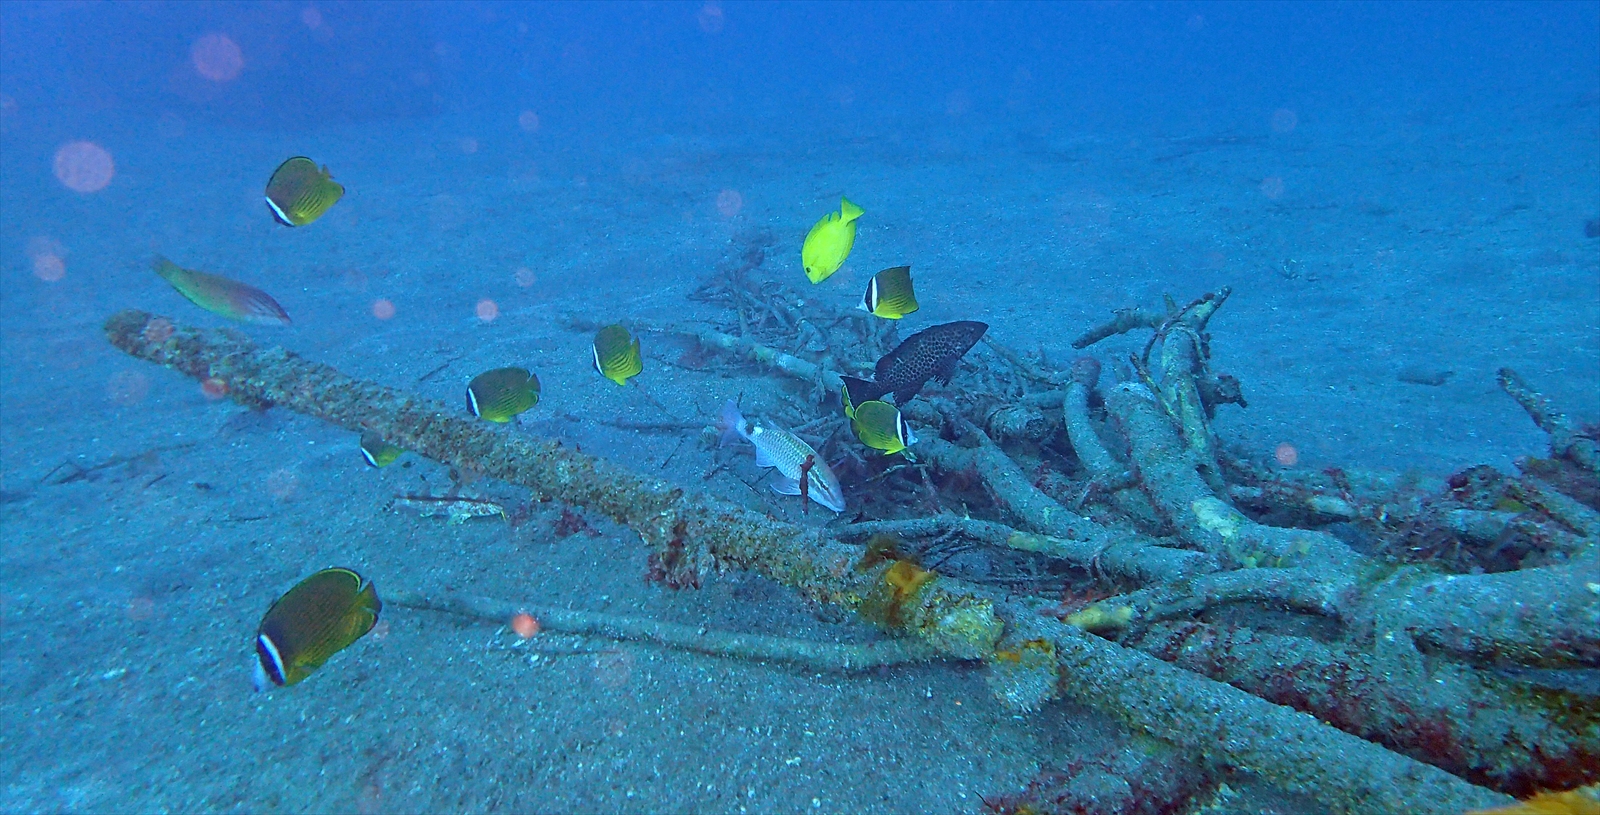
[[321, 616], [829, 241], [499, 395], [299, 191], [220, 295], [378, 452], [880, 426], [616, 354], [889, 294]]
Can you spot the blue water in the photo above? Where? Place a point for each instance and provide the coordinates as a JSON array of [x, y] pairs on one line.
[[1396, 192]]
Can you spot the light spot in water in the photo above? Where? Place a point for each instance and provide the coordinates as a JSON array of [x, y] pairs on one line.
[[283, 483], [524, 624], [49, 267], [1286, 454], [217, 57], [528, 121], [711, 18], [382, 309], [525, 277], [729, 202], [311, 17], [213, 388], [613, 669], [127, 387], [488, 310], [1284, 120], [469, 145], [1272, 187], [83, 166]]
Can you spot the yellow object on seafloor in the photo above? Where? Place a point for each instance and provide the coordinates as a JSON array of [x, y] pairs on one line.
[[1580, 801], [221, 295], [300, 191], [616, 354], [321, 616], [829, 241], [499, 395]]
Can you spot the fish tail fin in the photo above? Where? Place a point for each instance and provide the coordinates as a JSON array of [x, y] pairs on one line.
[[731, 422], [860, 390], [849, 212]]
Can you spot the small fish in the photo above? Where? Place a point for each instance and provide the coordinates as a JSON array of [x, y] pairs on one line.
[[880, 426], [321, 616], [456, 508], [299, 192], [889, 294], [378, 452], [219, 295], [616, 354], [829, 241], [793, 458], [931, 353], [500, 394]]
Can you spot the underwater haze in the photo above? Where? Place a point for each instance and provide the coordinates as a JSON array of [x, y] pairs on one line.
[[1401, 199]]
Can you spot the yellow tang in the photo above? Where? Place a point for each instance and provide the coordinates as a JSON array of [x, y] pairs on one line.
[[502, 393], [880, 426], [616, 354], [889, 294], [321, 616], [299, 191], [378, 452], [829, 241], [220, 295]]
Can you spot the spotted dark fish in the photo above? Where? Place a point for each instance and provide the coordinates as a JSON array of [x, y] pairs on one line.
[[931, 353]]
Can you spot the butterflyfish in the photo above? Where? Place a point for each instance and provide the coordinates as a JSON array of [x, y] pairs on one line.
[[377, 452], [220, 295], [789, 455], [321, 616], [931, 353], [616, 354], [829, 241], [300, 191], [889, 294], [500, 394], [880, 426]]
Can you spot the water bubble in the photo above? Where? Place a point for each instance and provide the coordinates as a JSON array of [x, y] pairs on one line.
[[84, 166], [488, 310], [1272, 187], [217, 57], [1284, 120], [525, 277], [127, 387], [382, 309], [528, 121], [710, 17], [1286, 454], [49, 267], [311, 17], [729, 202]]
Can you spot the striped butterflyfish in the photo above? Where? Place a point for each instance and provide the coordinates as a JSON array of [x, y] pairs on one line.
[[377, 452], [321, 616], [499, 395], [616, 354], [889, 294], [220, 295], [300, 191], [880, 425]]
